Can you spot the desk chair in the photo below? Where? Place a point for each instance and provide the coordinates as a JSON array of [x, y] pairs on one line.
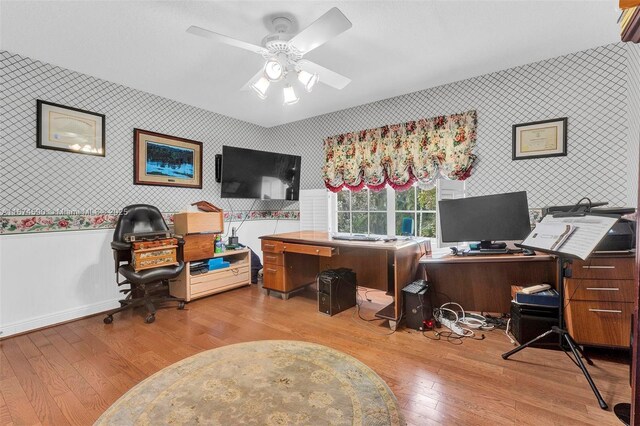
[[150, 286], [407, 226]]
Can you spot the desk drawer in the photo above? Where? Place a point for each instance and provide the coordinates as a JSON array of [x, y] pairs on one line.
[[272, 246], [599, 323], [273, 259], [273, 277], [323, 251], [219, 279], [599, 290], [597, 268]]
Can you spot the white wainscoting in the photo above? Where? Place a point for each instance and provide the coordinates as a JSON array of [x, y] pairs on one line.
[[54, 277]]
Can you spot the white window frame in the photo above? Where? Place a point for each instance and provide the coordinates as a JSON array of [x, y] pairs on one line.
[[334, 211], [444, 190]]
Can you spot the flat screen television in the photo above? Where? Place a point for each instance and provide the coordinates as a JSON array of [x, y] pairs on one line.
[[247, 173], [485, 219]]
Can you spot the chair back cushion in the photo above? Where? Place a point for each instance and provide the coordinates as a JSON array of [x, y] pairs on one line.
[[139, 218]]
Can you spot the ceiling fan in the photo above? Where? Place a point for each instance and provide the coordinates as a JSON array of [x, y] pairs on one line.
[[283, 53]]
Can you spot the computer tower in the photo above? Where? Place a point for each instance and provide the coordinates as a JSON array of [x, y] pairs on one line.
[[417, 304], [530, 321], [336, 290]]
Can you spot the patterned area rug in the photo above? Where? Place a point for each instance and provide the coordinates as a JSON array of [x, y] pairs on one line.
[[270, 382]]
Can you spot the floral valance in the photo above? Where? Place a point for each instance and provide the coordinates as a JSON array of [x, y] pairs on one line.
[[402, 154]]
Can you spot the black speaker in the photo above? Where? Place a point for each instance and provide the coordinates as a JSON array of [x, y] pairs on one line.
[[417, 304], [530, 321], [218, 167], [336, 290]]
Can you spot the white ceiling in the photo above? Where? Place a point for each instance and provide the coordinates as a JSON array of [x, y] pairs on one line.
[[394, 47]]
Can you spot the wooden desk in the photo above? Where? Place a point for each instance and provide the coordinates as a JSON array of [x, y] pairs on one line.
[[483, 283], [292, 260]]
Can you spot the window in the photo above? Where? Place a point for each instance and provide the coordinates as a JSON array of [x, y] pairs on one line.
[[383, 212], [419, 205], [363, 212]]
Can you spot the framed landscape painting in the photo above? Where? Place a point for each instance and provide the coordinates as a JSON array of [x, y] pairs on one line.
[[165, 160]]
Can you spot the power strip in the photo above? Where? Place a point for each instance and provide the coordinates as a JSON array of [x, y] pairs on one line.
[[453, 326]]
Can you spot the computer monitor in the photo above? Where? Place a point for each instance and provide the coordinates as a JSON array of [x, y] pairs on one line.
[[486, 219]]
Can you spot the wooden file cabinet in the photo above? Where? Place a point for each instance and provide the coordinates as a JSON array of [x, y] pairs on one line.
[[238, 274], [599, 300]]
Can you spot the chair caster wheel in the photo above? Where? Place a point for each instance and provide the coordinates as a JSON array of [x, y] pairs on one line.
[[181, 305], [150, 318], [108, 319]]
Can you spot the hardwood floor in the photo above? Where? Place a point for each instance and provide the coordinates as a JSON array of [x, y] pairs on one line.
[[69, 374]]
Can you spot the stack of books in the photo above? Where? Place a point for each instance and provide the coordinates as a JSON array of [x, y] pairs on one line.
[[539, 297], [200, 267]]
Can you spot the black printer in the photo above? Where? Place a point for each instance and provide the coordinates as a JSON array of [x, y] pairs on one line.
[[622, 236]]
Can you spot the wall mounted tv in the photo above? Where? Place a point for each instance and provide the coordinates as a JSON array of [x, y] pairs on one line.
[[247, 173]]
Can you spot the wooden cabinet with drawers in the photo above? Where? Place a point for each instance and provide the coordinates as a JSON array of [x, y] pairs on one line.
[[599, 299], [238, 274], [298, 268]]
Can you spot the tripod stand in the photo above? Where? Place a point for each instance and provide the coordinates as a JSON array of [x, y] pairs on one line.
[[576, 351], [565, 337]]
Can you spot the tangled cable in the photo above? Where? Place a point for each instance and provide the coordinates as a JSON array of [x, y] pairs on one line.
[[461, 323]]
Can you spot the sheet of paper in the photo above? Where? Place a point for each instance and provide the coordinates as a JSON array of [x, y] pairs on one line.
[[549, 236], [589, 231]]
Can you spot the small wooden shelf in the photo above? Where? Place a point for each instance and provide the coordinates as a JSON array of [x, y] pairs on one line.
[[238, 274]]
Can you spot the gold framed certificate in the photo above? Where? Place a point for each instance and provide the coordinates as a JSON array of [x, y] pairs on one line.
[[540, 139]]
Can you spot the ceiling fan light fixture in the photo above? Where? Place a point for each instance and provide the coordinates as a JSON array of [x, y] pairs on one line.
[[261, 86], [290, 96], [273, 70], [307, 79]]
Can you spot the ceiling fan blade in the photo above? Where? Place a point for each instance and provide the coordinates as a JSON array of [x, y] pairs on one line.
[[219, 38], [321, 30], [328, 77], [247, 85]]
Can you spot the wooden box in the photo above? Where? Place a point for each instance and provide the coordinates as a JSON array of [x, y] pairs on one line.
[[198, 247], [198, 222], [154, 254]]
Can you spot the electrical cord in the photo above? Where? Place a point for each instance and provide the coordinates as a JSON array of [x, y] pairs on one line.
[[245, 216], [576, 206], [278, 218], [368, 321], [570, 298], [512, 340], [230, 218], [445, 316]]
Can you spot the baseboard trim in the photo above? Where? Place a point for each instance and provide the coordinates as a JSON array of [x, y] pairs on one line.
[[44, 321]]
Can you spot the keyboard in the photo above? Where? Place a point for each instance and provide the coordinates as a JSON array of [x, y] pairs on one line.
[[355, 237], [483, 252]]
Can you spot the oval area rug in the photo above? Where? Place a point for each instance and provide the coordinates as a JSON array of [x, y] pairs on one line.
[[269, 382]]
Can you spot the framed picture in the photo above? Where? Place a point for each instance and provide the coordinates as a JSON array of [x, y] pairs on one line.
[[166, 160], [539, 139], [64, 128]]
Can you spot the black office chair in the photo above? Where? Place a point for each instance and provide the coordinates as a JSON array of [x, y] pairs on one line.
[[150, 286]]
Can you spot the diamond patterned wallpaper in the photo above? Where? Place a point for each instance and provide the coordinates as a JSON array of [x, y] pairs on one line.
[[47, 180], [588, 87], [633, 55]]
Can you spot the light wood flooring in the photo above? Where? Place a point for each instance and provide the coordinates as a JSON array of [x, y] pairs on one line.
[[69, 374]]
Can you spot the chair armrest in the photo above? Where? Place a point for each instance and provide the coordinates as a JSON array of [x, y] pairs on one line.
[[120, 245]]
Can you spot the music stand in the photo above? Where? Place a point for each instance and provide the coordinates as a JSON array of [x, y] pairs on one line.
[[595, 236]]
